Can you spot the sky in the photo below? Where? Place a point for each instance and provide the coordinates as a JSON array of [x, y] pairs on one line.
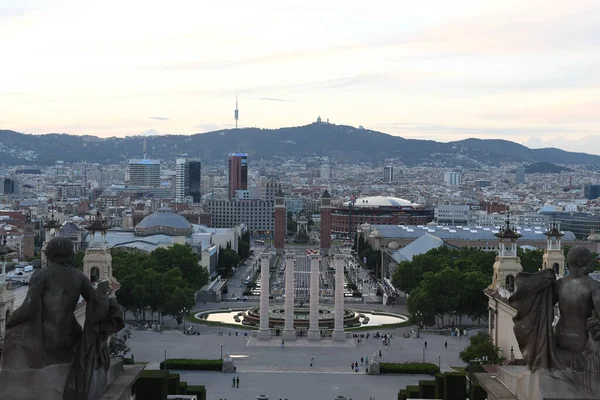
[[526, 71]]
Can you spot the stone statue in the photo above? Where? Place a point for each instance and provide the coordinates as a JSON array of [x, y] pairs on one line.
[[568, 353], [45, 346]]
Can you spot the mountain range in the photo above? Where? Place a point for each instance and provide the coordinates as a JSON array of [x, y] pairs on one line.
[[338, 142]]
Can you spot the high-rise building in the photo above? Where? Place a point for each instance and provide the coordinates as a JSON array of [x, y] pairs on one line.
[[591, 192], [388, 174], [238, 173], [145, 173], [325, 171], [187, 180], [453, 178], [520, 175], [8, 186]]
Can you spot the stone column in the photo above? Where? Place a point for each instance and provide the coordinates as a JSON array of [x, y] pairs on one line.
[[289, 333], [263, 330], [338, 331], [313, 330]]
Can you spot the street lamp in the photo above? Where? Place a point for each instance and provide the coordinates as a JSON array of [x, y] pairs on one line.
[[221, 351], [166, 359], [440, 362], [419, 316], [423, 355]]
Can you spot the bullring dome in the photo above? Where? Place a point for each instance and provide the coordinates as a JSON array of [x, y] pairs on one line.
[[164, 221]]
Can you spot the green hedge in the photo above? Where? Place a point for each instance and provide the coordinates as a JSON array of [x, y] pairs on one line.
[[408, 368], [199, 391], [182, 388], [413, 391], [455, 386], [173, 383], [128, 361], [402, 395], [427, 389], [191, 364], [439, 386], [152, 385], [477, 392]]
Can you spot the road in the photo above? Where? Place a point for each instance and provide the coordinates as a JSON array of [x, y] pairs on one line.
[[302, 278]]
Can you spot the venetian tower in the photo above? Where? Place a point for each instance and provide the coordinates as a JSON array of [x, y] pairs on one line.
[[280, 227], [97, 262], [554, 257], [507, 264], [325, 223], [50, 229]]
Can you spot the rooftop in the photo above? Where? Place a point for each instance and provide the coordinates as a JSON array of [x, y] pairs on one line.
[[381, 201]]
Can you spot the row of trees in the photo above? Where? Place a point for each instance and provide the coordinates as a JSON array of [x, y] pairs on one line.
[[364, 250], [450, 282], [163, 282]]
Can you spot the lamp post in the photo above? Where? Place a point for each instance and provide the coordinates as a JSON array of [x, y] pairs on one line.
[[419, 316], [221, 351], [166, 360], [423, 355], [440, 362]]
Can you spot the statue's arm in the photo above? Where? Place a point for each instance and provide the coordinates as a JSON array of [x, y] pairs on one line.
[[32, 302], [87, 290]]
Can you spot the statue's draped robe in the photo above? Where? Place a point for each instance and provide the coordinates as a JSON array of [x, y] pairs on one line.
[[534, 302]]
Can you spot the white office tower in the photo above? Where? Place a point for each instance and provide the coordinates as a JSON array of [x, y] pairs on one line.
[[388, 174], [144, 173], [453, 178], [325, 171]]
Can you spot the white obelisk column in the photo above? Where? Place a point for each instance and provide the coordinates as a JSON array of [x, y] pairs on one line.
[[263, 330], [313, 330], [338, 330], [289, 333]]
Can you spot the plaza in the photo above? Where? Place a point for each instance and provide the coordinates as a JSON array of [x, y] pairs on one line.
[[264, 367]]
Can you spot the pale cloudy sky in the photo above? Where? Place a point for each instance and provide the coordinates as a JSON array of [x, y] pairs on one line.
[[527, 71]]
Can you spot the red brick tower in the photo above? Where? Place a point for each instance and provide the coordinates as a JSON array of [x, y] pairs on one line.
[[325, 223], [280, 224]]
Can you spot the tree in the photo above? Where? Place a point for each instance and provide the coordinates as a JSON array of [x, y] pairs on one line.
[[78, 260], [481, 346], [420, 302], [183, 258], [227, 260], [531, 260], [292, 225]]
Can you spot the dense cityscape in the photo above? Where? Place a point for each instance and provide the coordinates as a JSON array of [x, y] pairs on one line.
[[299, 200]]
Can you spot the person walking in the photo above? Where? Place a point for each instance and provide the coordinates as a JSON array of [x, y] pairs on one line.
[[446, 344], [282, 343], [426, 344], [237, 382], [233, 382], [352, 366], [312, 358], [362, 361], [380, 353]]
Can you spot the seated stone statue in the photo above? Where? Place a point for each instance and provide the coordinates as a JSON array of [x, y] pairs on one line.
[[44, 341], [569, 351]]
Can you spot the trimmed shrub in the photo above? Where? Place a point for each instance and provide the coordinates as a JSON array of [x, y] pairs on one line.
[[199, 391], [408, 368], [173, 383], [152, 385], [439, 386], [128, 361], [427, 389], [192, 364], [402, 395], [413, 391], [182, 388], [477, 392], [455, 386]]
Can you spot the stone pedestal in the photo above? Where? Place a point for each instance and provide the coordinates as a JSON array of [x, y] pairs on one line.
[[338, 331], [289, 333], [263, 330], [518, 383], [313, 330]]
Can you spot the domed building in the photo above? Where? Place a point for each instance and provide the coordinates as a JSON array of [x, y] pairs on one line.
[[164, 222], [378, 210]]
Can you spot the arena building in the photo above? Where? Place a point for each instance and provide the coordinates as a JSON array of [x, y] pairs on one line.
[[378, 210]]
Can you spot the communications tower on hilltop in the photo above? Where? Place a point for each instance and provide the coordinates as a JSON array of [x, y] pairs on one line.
[[236, 112]]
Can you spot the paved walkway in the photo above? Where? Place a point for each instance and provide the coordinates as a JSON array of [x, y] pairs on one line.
[[286, 372]]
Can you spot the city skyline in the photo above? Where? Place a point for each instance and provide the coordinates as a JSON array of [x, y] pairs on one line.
[[430, 70]]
